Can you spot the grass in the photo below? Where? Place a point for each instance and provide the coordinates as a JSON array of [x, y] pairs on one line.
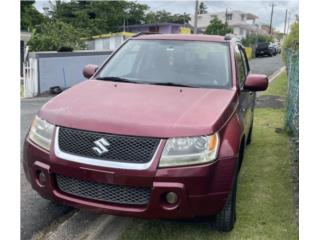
[[265, 205], [21, 90], [279, 86]]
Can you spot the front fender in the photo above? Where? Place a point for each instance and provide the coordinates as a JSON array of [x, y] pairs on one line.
[[231, 136]]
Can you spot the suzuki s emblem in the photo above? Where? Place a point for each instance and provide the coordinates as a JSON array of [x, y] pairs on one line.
[[101, 146]]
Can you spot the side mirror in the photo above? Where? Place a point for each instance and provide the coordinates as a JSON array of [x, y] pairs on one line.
[[256, 82], [89, 70]]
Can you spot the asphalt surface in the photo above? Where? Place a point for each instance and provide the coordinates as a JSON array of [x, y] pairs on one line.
[[266, 65], [38, 214]]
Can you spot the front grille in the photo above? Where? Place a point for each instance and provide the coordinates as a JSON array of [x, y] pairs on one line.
[[121, 149], [104, 192]]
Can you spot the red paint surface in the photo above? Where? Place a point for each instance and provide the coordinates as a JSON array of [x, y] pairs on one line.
[[141, 110], [148, 110]]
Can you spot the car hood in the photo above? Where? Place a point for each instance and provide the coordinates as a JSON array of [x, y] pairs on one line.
[[140, 109]]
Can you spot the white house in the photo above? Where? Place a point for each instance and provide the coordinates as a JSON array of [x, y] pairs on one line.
[[242, 23]]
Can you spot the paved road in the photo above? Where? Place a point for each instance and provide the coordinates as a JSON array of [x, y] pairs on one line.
[[38, 214], [266, 65]]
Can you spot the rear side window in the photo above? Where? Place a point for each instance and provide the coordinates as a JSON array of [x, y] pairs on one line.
[[241, 65]]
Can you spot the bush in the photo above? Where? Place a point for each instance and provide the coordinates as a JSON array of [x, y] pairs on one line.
[[54, 36], [292, 40], [216, 27], [253, 39]]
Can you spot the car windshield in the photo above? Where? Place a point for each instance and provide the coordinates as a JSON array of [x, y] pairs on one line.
[[167, 62]]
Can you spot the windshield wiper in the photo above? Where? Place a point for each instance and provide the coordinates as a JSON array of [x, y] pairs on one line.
[[173, 84], [117, 79]]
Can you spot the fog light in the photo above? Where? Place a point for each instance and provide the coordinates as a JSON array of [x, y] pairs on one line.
[[42, 177], [171, 197]]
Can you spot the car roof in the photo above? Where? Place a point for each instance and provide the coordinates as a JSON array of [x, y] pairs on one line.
[[182, 37]]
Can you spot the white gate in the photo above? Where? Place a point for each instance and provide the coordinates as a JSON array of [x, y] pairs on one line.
[[29, 79]]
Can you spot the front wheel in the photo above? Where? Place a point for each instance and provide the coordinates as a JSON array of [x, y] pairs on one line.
[[250, 135], [224, 221]]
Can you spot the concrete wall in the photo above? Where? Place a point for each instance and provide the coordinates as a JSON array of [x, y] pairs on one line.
[[105, 44], [162, 29], [63, 69]]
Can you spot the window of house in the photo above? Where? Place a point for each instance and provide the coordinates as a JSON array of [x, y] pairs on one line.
[[242, 17], [229, 16]]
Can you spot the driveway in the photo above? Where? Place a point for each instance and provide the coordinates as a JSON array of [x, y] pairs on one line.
[[53, 221]]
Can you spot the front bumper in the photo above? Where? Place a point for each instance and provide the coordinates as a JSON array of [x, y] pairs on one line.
[[202, 190]]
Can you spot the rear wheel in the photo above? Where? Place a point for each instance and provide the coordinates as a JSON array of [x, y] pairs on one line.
[[224, 221]]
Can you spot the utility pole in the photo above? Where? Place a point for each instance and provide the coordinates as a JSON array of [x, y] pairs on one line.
[[288, 26], [226, 22], [270, 27], [195, 27], [285, 22]]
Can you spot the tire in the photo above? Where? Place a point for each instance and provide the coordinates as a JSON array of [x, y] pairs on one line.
[[250, 135], [224, 221]]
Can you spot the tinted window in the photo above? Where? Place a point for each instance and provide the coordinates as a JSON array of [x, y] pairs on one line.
[[241, 67], [198, 64]]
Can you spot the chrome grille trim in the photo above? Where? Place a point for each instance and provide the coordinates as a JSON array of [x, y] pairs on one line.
[[101, 163]]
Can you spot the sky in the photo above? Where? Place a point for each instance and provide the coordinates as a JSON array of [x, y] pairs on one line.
[[262, 9]]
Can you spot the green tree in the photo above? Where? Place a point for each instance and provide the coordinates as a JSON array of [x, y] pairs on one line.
[[216, 27], [202, 8], [98, 17], [30, 17], [166, 17], [55, 36]]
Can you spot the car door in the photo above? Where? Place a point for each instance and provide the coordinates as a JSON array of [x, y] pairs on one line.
[[246, 97]]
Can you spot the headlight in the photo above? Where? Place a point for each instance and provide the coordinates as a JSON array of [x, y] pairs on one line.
[[41, 133], [190, 151]]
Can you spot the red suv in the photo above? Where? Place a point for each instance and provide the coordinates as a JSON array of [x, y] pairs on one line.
[[158, 131]]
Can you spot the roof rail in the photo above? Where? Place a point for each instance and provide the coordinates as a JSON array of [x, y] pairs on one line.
[[144, 33]]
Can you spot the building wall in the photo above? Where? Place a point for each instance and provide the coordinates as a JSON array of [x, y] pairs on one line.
[[105, 44], [162, 29], [235, 23], [62, 69]]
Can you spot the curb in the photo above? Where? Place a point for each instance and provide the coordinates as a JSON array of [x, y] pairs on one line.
[[275, 74]]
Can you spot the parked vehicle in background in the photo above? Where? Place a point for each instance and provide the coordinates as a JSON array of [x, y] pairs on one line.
[[278, 48], [265, 48], [158, 131]]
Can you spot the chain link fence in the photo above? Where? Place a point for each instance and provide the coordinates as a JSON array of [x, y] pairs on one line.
[[292, 117]]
